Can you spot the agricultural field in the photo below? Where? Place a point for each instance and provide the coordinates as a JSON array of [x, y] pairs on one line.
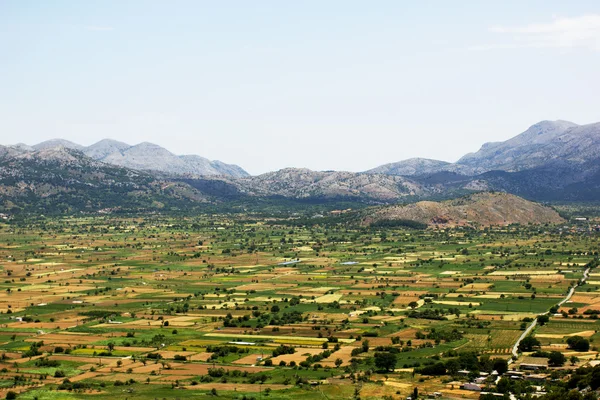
[[236, 306]]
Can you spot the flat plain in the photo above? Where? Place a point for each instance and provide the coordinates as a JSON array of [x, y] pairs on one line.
[[251, 307]]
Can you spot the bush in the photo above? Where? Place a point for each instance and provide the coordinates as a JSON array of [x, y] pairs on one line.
[[436, 369], [283, 349]]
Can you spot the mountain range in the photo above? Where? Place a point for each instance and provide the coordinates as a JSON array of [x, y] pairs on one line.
[[58, 180], [144, 156], [547, 142], [550, 161]]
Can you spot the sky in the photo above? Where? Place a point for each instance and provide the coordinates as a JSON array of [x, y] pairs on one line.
[[326, 85]]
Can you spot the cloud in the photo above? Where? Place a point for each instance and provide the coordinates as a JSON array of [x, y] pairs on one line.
[[99, 28], [563, 33]]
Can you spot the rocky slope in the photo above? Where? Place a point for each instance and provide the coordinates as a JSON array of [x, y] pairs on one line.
[[61, 180], [480, 209], [304, 183], [151, 157], [541, 144], [48, 144], [104, 148], [417, 166], [552, 160], [301, 183], [144, 156]]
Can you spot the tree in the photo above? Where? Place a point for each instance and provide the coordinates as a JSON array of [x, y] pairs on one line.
[[556, 359], [436, 369], [500, 365], [385, 361], [595, 378], [503, 385], [528, 343], [413, 304], [11, 395], [573, 360], [543, 319], [365, 346], [578, 343], [574, 395], [338, 362], [452, 367]]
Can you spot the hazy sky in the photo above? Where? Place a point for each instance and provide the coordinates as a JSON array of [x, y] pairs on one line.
[[344, 85]]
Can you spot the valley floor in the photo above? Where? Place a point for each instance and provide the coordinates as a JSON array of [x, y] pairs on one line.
[[236, 306]]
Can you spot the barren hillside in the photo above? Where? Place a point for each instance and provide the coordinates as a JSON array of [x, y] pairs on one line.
[[480, 209]]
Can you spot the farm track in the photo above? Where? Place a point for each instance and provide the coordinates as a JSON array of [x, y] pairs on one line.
[[515, 349]]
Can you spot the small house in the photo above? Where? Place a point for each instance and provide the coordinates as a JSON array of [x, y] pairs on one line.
[[472, 386], [534, 363]]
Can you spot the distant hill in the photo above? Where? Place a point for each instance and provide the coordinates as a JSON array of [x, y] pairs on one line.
[[304, 183], [61, 180], [552, 160], [144, 156], [22, 147], [541, 144], [418, 166], [480, 209], [48, 144], [104, 148]]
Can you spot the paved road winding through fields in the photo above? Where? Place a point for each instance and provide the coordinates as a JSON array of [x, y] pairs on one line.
[[515, 349]]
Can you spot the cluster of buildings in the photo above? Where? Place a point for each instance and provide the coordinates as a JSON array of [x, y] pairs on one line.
[[526, 367]]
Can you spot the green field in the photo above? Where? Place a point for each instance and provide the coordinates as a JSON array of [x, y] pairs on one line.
[[255, 306]]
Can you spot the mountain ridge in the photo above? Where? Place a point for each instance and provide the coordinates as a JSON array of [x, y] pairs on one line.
[[550, 161], [64, 180], [542, 142], [143, 156]]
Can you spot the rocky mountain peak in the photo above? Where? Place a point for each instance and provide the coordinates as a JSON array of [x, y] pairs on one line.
[[57, 143], [143, 156], [104, 147]]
